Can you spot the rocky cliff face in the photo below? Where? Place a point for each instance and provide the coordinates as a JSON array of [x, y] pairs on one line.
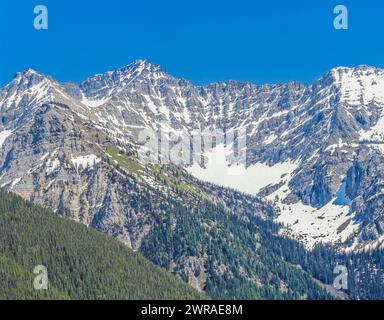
[[59, 140]]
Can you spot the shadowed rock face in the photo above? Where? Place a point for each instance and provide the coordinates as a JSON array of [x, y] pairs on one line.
[[61, 133]]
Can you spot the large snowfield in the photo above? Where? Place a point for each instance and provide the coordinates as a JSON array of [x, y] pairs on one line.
[[331, 223]]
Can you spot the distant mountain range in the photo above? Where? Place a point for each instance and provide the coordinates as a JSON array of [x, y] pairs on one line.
[[311, 171]]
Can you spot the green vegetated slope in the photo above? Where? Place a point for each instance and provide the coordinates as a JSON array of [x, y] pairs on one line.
[[82, 263]]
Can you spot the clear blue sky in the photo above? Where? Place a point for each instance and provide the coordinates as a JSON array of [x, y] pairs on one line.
[[202, 41]]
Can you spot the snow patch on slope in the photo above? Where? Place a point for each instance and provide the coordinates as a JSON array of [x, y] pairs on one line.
[[52, 165], [14, 183], [87, 161], [93, 103], [334, 222], [4, 135], [248, 180]]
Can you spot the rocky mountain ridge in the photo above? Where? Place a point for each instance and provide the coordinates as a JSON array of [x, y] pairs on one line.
[[325, 131]]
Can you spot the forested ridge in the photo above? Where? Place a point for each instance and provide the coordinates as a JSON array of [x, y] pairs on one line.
[[82, 263], [365, 268]]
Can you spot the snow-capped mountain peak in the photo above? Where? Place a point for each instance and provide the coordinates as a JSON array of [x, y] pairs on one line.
[[103, 86], [140, 65], [27, 88], [361, 85]]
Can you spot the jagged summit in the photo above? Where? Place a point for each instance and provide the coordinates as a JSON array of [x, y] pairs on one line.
[[141, 65], [135, 68], [29, 74], [28, 71], [341, 72]]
